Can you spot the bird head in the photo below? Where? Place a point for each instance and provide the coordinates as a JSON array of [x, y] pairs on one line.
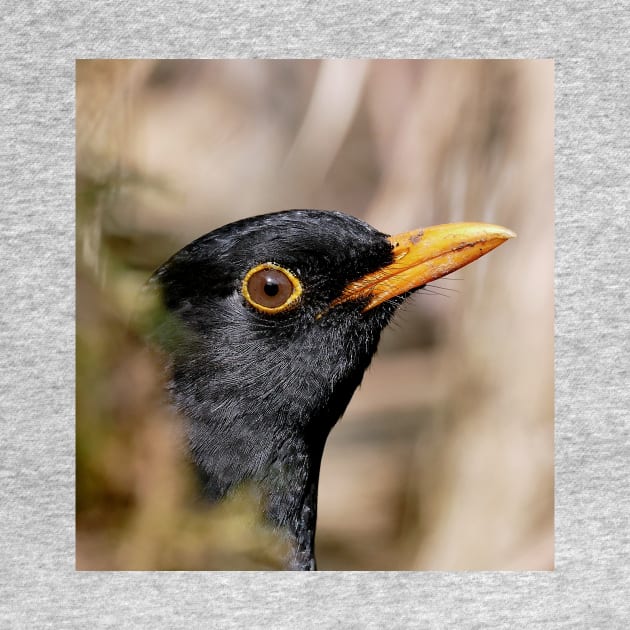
[[271, 324]]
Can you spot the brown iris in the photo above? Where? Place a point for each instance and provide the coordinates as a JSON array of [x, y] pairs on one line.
[[271, 288]]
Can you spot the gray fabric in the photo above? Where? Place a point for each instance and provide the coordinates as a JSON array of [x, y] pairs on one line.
[[39, 587]]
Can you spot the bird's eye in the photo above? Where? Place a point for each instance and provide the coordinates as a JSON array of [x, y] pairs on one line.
[[271, 288]]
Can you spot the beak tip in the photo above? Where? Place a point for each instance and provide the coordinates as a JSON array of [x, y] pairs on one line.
[[498, 231]]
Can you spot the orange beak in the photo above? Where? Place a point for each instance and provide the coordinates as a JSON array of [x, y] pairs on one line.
[[424, 255]]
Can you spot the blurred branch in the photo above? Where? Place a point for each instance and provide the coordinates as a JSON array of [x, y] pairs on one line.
[[331, 111]]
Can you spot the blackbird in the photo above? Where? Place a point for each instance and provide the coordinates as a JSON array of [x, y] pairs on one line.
[[272, 321]]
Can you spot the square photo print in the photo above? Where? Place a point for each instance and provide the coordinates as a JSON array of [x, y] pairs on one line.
[[315, 315]]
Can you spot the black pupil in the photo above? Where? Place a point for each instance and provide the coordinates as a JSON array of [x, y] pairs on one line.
[[271, 287]]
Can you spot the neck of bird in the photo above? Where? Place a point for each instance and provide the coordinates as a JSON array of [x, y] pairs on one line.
[[284, 471]]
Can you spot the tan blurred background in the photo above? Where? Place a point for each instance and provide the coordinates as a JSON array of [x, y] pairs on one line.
[[444, 459]]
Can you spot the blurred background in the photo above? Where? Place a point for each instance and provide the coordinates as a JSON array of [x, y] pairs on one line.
[[444, 458]]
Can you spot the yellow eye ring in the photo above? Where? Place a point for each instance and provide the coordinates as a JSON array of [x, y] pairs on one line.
[[271, 288]]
